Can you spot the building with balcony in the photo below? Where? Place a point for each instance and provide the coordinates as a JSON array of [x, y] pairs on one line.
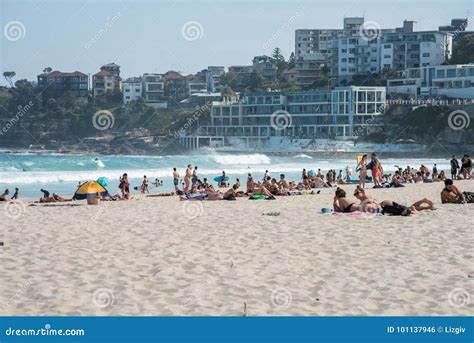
[[405, 50], [75, 83], [342, 113], [153, 90], [132, 89], [176, 85], [107, 80], [454, 81]]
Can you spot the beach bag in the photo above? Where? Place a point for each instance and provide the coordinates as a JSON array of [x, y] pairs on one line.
[[396, 210]]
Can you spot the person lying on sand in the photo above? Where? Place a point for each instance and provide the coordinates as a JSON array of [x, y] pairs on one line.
[[391, 207], [452, 195], [53, 198], [342, 204]]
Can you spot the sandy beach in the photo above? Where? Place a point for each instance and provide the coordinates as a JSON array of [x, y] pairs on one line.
[[160, 256]]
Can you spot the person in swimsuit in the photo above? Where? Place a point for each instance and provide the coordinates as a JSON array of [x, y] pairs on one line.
[[175, 179], [4, 196], [375, 169], [362, 168], [250, 184], [16, 195], [187, 178], [451, 194], [145, 185], [342, 204], [454, 167], [45, 193], [466, 167], [195, 175], [223, 182]]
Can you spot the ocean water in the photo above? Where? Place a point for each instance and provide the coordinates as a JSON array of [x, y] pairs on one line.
[[61, 173]]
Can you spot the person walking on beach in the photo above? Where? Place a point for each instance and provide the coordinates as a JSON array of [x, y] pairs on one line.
[[195, 175], [145, 185], [16, 195], [175, 180], [466, 167], [454, 167], [362, 168], [187, 178]]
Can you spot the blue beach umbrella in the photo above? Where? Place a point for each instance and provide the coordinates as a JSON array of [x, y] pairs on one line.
[[103, 181]]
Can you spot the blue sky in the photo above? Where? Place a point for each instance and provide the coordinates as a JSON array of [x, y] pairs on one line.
[[147, 36]]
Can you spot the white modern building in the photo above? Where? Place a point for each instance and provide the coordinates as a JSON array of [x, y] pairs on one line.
[[404, 50], [153, 86], [132, 89], [454, 81], [342, 113]]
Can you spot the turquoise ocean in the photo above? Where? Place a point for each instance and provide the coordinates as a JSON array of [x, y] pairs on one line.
[[60, 173]]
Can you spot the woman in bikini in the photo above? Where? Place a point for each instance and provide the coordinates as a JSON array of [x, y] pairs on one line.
[[342, 204], [362, 168]]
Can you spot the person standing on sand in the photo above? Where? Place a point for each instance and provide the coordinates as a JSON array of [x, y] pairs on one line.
[[466, 167], [195, 175], [145, 185], [375, 166], [454, 167], [175, 180], [362, 168], [187, 178]]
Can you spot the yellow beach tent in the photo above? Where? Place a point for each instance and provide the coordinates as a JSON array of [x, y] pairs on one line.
[[89, 189]]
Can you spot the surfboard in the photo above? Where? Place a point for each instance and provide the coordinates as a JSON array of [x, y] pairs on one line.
[[219, 178]]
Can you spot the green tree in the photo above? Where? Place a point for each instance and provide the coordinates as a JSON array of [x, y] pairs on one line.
[[463, 49]]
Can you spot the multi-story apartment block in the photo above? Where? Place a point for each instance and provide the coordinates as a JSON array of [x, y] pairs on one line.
[[153, 89], [314, 50], [342, 113], [455, 81], [75, 83], [212, 78], [457, 25], [107, 80], [242, 73], [404, 50], [132, 89]]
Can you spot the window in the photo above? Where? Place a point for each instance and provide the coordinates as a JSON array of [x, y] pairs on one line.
[[137, 90], [127, 97], [387, 46], [127, 90]]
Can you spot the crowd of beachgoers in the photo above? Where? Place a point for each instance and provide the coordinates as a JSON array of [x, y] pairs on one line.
[[191, 187]]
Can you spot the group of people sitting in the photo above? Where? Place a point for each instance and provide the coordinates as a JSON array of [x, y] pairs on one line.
[[367, 204]]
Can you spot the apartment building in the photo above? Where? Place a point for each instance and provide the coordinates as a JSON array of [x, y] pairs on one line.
[[314, 50], [455, 81], [405, 50], [176, 85], [153, 89], [132, 89], [107, 80], [342, 113], [75, 83]]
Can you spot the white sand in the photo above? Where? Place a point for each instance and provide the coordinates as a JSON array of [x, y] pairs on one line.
[[160, 256]]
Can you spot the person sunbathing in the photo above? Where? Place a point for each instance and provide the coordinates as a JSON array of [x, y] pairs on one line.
[[452, 195], [342, 204], [262, 190]]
